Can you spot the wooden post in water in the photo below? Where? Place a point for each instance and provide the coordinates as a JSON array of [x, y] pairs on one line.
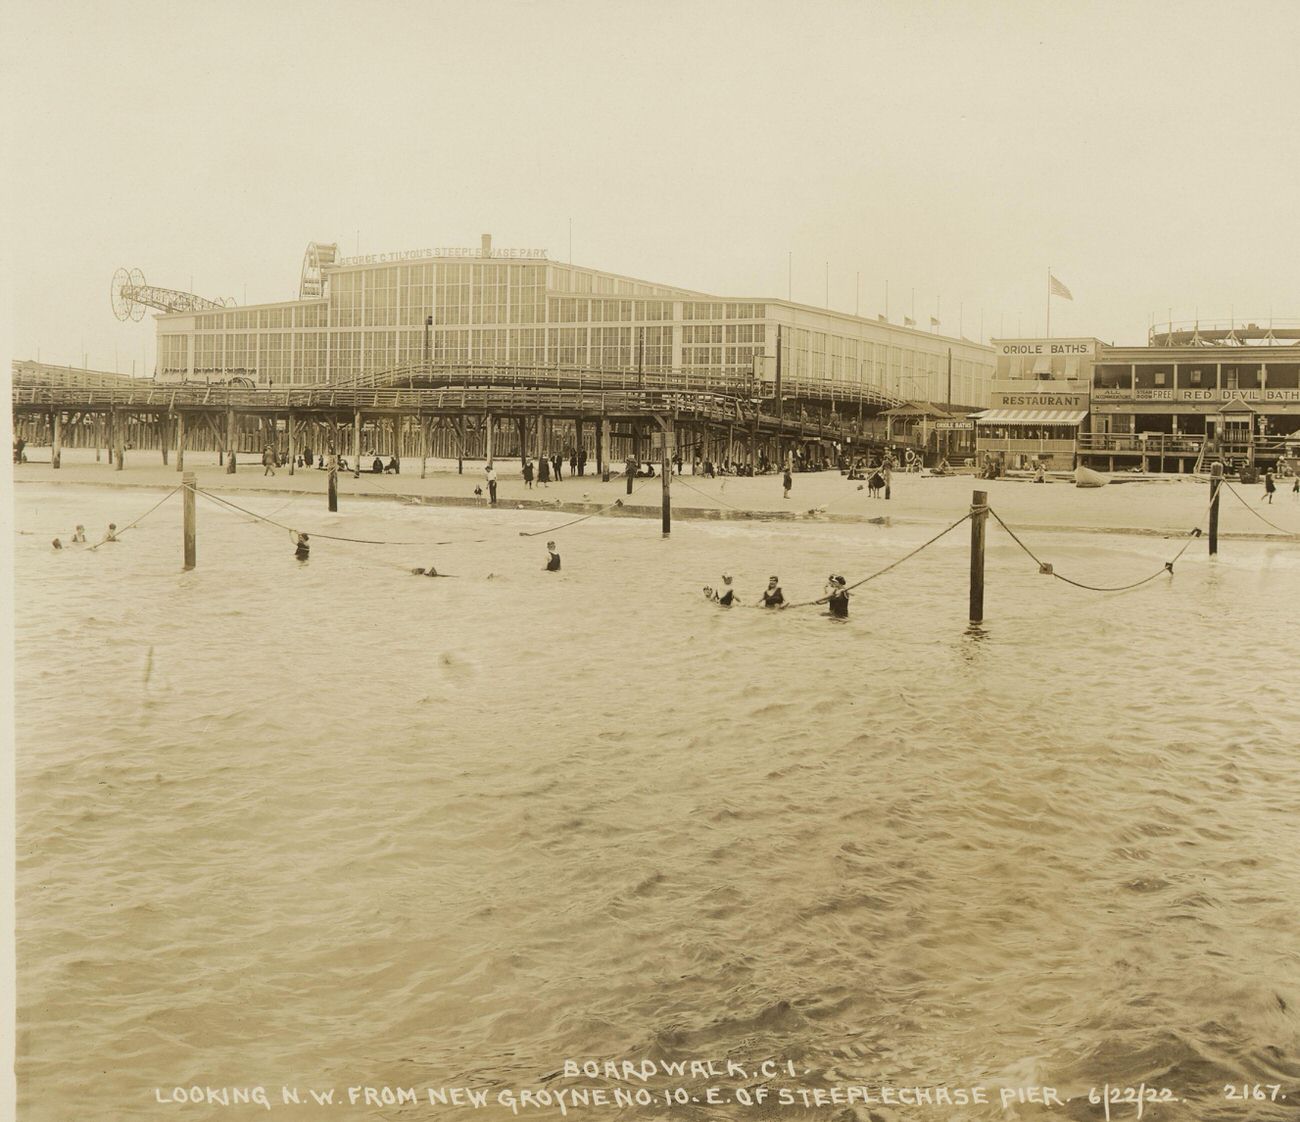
[[1216, 481], [180, 442], [191, 536], [667, 472], [979, 513], [56, 439], [333, 490], [230, 441]]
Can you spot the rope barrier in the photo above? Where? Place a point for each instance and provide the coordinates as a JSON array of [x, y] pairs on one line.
[[715, 498], [583, 518], [1242, 498], [1046, 567], [137, 522], [887, 568], [289, 529]]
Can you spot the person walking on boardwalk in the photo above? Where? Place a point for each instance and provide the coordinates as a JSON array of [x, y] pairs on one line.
[[787, 481], [490, 474], [528, 472], [268, 461], [1269, 487]]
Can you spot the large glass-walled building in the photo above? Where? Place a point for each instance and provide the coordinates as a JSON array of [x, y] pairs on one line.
[[515, 308]]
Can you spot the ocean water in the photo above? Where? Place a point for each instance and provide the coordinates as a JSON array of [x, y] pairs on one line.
[[333, 825]]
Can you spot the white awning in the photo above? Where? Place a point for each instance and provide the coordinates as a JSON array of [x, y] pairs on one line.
[[1031, 416]]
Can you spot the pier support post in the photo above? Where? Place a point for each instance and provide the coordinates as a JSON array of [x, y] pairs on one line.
[[424, 447], [56, 439], [979, 513], [1216, 481], [230, 441], [667, 472], [487, 439], [356, 444], [180, 442], [164, 431], [191, 520], [333, 489], [291, 434], [602, 453], [119, 442]]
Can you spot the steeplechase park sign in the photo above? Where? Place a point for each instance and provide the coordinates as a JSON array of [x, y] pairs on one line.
[[416, 254], [1047, 348]]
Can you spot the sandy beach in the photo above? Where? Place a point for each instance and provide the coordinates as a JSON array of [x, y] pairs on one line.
[[1154, 504]]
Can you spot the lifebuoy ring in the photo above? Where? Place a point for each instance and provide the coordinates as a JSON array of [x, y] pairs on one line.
[[911, 457]]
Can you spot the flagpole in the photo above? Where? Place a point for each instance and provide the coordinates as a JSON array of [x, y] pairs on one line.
[[1049, 301]]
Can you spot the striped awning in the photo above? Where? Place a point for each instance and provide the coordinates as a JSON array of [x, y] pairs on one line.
[[1031, 416]]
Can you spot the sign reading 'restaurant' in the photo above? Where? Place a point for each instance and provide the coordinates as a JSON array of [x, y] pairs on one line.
[[1046, 347]]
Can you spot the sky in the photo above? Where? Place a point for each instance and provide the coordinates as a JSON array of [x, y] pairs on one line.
[[1145, 152]]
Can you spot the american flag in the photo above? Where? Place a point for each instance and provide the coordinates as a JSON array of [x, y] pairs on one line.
[[1056, 288]]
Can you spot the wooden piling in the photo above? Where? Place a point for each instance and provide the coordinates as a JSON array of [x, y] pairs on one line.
[[119, 443], [333, 490], [56, 439], [191, 519], [1216, 482], [487, 439], [180, 442], [356, 444], [291, 435], [164, 423], [667, 472], [424, 447], [979, 513], [231, 436]]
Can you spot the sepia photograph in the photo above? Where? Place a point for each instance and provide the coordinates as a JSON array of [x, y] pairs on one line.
[[651, 561]]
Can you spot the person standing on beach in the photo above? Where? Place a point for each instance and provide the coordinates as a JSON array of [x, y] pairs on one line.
[[558, 464], [582, 461], [543, 471], [528, 472], [787, 481], [573, 463], [268, 461], [630, 472], [490, 474], [1269, 487], [889, 475]]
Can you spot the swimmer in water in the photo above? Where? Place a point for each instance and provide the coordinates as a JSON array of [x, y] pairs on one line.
[[553, 558], [302, 548], [837, 597], [111, 536], [726, 595], [79, 535], [430, 572], [56, 544], [773, 597]]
